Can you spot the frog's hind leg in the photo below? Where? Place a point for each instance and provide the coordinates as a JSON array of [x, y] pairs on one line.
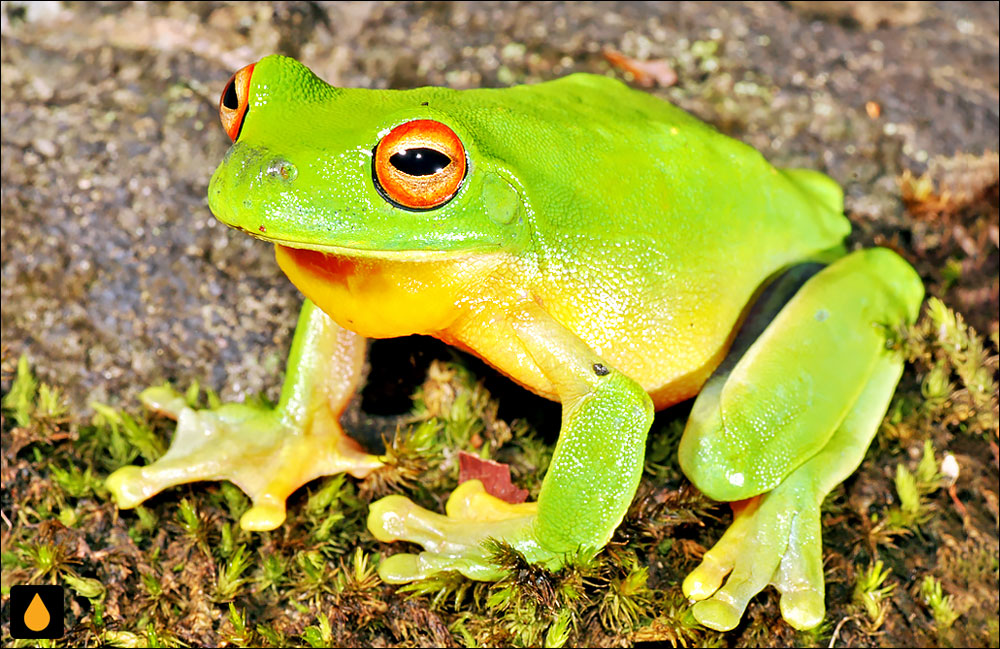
[[793, 418], [267, 452], [775, 538]]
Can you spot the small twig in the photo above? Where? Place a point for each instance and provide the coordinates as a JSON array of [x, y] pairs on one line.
[[836, 631]]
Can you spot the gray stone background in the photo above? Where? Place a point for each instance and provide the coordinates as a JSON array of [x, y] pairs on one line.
[[115, 276]]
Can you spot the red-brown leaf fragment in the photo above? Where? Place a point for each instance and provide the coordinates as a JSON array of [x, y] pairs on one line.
[[646, 73], [494, 476]]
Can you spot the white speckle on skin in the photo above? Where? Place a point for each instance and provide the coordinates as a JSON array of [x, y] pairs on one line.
[[736, 479]]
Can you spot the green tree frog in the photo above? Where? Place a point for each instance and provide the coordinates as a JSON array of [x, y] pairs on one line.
[[600, 247]]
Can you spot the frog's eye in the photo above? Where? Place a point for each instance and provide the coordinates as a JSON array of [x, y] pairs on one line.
[[419, 165], [234, 102]]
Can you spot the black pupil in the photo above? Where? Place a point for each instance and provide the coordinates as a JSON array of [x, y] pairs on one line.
[[420, 162], [229, 98]]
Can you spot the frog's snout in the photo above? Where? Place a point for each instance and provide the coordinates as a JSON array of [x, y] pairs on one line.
[[235, 100]]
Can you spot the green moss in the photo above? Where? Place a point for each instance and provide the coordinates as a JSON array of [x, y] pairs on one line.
[[939, 603], [179, 570], [871, 594]]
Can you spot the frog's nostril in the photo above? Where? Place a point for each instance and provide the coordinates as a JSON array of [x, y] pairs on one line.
[[235, 101], [281, 168]]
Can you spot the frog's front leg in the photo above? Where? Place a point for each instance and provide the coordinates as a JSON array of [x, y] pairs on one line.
[[593, 475], [794, 418], [267, 452]]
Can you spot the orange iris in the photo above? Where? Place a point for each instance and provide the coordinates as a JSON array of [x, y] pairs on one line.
[[234, 101], [420, 165]]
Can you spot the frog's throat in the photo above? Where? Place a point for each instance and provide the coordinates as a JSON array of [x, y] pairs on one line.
[[361, 251], [383, 297]]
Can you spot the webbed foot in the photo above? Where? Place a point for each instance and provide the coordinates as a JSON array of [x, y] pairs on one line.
[[453, 541], [774, 539], [265, 452]]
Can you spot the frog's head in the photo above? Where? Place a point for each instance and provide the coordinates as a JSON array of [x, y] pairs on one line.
[[358, 172]]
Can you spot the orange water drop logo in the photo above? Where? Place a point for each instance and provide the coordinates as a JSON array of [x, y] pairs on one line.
[[37, 617]]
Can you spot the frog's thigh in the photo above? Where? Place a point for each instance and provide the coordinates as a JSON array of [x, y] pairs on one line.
[[266, 452], [593, 475], [778, 541], [780, 404]]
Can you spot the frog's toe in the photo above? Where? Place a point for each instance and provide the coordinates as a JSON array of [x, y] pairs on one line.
[[718, 613], [401, 569], [754, 549], [404, 567], [263, 516], [397, 518], [704, 580], [129, 487], [800, 576], [803, 609], [470, 501], [449, 543], [718, 562], [164, 400], [774, 539], [724, 609]]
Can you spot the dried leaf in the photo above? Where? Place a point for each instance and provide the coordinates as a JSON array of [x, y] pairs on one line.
[[647, 74], [494, 476]]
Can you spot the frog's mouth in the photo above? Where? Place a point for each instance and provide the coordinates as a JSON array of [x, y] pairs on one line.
[[360, 250]]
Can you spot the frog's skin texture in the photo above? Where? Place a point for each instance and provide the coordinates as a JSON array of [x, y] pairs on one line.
[[601, 248]]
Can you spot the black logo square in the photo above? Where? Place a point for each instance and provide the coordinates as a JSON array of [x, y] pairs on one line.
[[36, 612]]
